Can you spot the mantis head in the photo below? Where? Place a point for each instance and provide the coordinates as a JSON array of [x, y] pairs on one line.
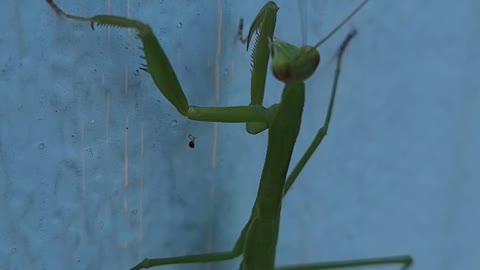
[[293, 64]]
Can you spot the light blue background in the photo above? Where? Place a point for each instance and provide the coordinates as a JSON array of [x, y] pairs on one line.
[[397, 174]]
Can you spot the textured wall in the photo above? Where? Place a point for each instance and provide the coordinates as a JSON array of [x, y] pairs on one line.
[[95, 171]]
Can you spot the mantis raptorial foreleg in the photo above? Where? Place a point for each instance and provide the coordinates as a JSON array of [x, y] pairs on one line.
[[290, 64], [165, 78]]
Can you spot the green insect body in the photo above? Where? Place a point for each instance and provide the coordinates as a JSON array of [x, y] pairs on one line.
[[258, 239]]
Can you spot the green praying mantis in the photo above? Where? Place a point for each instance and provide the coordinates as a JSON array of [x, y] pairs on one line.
[[291, 65]]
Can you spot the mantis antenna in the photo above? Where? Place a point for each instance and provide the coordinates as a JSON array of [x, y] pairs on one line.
[[341, 24]]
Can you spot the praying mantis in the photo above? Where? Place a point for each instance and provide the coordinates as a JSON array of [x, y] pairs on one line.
[[291, 65]]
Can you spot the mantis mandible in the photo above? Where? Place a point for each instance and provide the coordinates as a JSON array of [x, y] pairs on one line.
[[291, 65]]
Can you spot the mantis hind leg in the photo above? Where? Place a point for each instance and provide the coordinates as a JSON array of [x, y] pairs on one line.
[[322, 132], [200, 258], [406, 260]]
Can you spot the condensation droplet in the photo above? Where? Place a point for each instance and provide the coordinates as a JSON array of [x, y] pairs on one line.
[[173, 123], [41, 146]]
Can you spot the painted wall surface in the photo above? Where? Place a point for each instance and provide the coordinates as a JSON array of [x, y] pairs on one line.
[[96, 173]]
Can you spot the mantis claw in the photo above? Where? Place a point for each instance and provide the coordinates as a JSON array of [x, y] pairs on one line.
[[240, 32], [144, 68], [349, 37]]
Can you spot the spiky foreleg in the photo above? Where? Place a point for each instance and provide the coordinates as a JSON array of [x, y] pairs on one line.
[[164, 77]]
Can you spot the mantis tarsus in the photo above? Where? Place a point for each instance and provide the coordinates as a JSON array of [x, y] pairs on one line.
[[291, 65]]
